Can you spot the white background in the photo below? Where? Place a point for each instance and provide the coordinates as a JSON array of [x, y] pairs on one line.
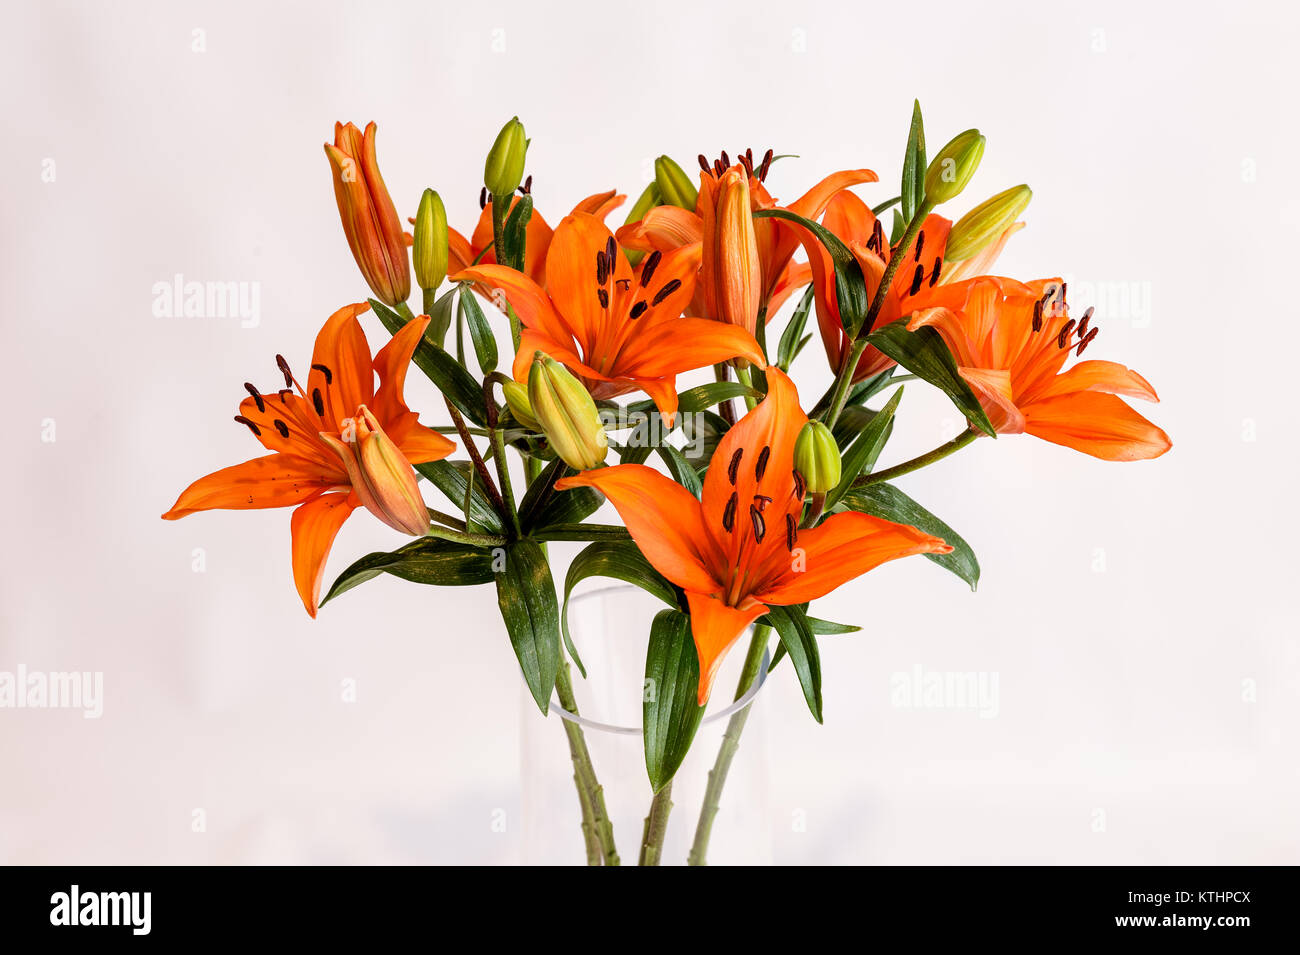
[[1132, 612]]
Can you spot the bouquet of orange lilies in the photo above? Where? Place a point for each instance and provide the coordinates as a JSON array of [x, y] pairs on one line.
[[748, 517]]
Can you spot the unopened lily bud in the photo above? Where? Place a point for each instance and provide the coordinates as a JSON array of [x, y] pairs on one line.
[[817, 457], [379, 473], [517, 400], [953, 167], [675, 187], [648, 199], [567, 414], [504, 170], [737, 270], [431, 249], [982, 225]]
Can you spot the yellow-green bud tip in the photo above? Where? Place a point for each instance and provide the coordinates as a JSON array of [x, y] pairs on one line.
[[817, 457], [982, 225], [504, 169], [566, 414], [431, 249], [675, 187], [953, 167]]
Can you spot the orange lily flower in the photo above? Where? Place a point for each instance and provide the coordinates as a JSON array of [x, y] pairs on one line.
[[314, 436], [1011, 342], [538, 235], [740, 548], [669, 227], [616, 329], [369, 217]]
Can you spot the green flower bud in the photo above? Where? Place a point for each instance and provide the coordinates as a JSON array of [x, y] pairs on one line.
[[988, 220], [504, 170], [817, 457], [517, 399], [675, 187], [431, 249], [648, 199], [952, 168], [566, 413]]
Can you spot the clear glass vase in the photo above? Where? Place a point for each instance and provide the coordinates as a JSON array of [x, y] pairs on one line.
[[610, 628]]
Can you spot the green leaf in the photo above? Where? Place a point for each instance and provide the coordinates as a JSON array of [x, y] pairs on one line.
[[792, 339], [670, 713], [791, 625], [864, 452], [581, 532], [526, 595], [480, 332], [514, 233], [885, 206], [681, 469], [700, 398], [897, 228], [703, 432], [820, 627], [427, 560], [454, 479], [851, 422], [889, 503], [450, 377], [539, 510], [924, 353], [620, 560], [850, 285], [913, 188], [440, 317]]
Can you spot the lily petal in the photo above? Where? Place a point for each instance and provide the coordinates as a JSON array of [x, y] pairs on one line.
[[1097, 424], [275, 480], [342, 348], [314, 527], [716, 627], [1108, 377]]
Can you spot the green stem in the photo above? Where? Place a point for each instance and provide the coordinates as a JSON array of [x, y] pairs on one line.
[[725, 409], [503, 474], [915, 464], [429, 296], [500, 206], [595, 820], [404, 310], [727, 751], [895, 258], [656, 826], [489, 488], [580, 532], [843, 382], [455, 523], [745, 378]]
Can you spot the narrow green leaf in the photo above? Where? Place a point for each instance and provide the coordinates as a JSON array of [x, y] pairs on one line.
[[792, 340], [924, 353], [864, 451], [896, 228], [791, 625], [526, 596], [681, 469], [454, 479], [703, 432], [480, 332], [821, 627], [670, 711], [440, 317], [700, 398], [426, 560], [913, 187], [539, 511], [885, 206], [514, 233], [889, 503], [850, 284], [451, 378]]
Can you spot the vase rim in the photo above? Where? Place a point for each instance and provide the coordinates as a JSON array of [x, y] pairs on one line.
[[601, 726]]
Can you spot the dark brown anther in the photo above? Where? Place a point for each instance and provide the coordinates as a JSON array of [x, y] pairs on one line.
[[602, 268], [281, 427], [324, 370], [251, 427], [718, 168], [528, 186], [920, 244], [284, 393], [611, 253], [917, 278], [761, 501], [791, 532], [603, 296], [704, 163], [749, 156], [877, 241], [638, 310], [1083, 323], [482, 198], [800, 486], [1064, 336], [938, 267], [748, 164], [1063, 285], [284, 370], [318, 402], [257, 397], [734, 466], [624, 284], [726, 160], [765, 166], [729, 512], [648, 267], [668, 289], [1038, 315], [1084, 344], [760, 467], [760, 525]]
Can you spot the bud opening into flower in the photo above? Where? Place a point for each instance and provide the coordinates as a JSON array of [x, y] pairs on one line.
[[504, 170], [953, 167], [567, 414], [517, 400], [379, 473], [736, 269], [977, 229], [817, 457], [431, 249]]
